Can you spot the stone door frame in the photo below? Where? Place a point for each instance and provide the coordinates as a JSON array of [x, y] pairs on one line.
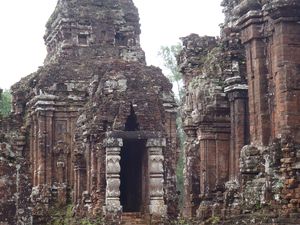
[[154, 149]]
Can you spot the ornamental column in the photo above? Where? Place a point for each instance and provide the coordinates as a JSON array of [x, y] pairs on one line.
[[79, 175], [192, 172], [157, 207], [113, 169]]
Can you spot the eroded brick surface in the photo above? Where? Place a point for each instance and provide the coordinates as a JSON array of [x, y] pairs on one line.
[[76, 117], [258, 60], [75, 122]]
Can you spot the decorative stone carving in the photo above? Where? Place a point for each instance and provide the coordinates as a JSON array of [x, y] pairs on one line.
[[156, 178], [112, 200]]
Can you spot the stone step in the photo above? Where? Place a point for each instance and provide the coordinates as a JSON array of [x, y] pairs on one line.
[[133, 218]]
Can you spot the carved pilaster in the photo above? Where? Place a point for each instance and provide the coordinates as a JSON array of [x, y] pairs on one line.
[[191, 179], [49, 145], [79, 176], [157, 205], [112, 200], [42, 136], [237, 92]]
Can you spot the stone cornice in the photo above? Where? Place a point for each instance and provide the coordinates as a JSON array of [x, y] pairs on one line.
[[282, 8]]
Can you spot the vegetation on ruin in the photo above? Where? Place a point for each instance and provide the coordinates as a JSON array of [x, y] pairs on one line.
[[65, 216], [5, 103]]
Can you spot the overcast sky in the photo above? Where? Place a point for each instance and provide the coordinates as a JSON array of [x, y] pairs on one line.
[[22, 25]]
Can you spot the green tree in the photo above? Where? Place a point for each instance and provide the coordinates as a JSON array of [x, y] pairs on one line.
[[5, 103], [169, 55]]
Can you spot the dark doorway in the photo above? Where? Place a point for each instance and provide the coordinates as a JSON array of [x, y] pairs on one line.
[[131, 122], [132, 172]]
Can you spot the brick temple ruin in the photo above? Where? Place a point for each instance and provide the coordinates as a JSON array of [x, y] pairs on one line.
[[241, 116], [95, 128]]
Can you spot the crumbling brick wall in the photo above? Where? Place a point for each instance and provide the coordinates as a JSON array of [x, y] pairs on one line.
[[68, 116], [15, 179], [206, 120], [261, 39]]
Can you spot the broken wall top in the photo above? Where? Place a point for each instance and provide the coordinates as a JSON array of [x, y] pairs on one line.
[[202, 63], [94, 29], [235, 9], [81, 36]]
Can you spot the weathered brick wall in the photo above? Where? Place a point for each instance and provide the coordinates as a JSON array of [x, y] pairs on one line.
[[15, 179], [120, 88], [206, 121], [271, 35], [7, 185], [66, 113], [261, 38], [102, 29]]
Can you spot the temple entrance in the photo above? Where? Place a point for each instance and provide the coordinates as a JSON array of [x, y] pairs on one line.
[[133, 175]]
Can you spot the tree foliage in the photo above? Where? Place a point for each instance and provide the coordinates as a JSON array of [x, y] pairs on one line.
[[5, 103], [169, 55]]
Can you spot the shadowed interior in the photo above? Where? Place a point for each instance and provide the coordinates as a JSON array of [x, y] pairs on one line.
[[132, 167]]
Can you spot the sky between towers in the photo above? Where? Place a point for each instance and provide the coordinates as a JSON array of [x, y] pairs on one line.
[[162, 22]]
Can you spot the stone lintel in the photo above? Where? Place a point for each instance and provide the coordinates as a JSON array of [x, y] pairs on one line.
[[135, 134]]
